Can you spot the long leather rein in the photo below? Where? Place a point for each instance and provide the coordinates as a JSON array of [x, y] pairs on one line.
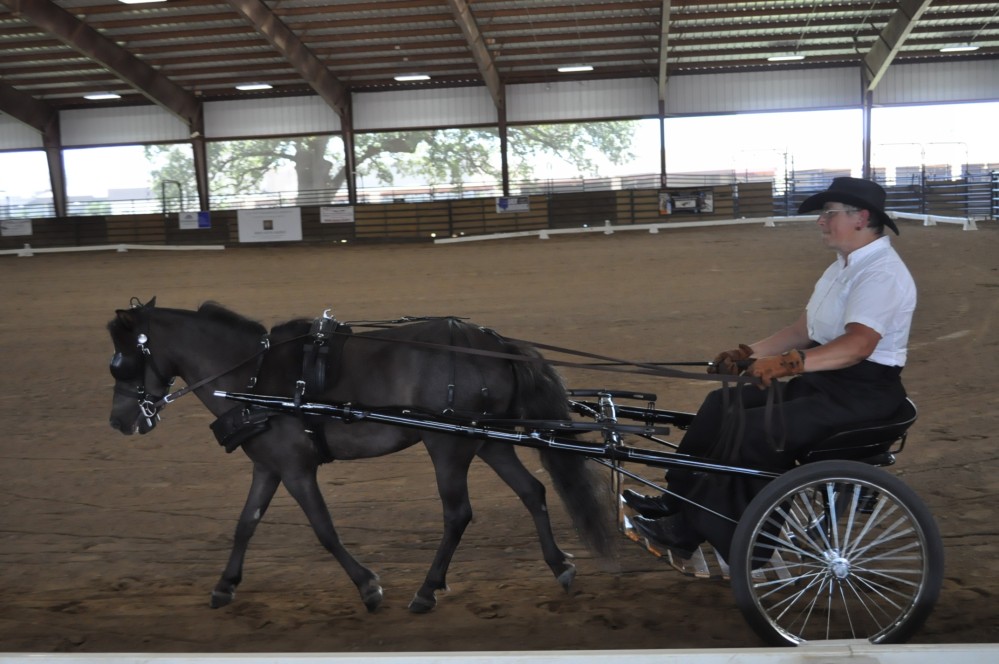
[[604, 363]]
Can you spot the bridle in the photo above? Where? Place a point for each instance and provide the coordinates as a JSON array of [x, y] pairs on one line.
[[131, 369], [126, 368]]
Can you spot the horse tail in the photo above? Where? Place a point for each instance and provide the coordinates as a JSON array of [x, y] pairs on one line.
[[541, 394]]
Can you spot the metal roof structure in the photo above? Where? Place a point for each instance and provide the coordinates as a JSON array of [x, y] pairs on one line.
[[178, 53]]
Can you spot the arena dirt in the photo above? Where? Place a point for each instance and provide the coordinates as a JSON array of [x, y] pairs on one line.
[[112, 544]]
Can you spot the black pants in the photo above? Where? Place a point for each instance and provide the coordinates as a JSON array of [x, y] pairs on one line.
[[738, 429]]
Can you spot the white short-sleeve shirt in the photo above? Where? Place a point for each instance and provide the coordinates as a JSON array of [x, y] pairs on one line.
[[874, 288]]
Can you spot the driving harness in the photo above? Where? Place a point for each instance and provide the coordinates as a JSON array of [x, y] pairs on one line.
[[321, 356], [323, 351]]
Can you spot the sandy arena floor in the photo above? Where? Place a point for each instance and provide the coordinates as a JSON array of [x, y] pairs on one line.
[[112, 543]]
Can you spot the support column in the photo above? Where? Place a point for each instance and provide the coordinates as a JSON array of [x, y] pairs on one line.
[[350, 159], [200, 160], [504, 149], [52, 141], [662, 142], [867, 101]]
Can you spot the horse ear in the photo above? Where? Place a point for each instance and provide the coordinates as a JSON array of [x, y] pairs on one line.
[[126, 317], [152, 302]]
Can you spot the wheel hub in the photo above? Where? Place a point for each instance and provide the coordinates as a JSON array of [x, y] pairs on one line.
[[838, 565]]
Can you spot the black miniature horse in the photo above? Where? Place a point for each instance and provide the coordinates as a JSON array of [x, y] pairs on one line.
[[215, 349]]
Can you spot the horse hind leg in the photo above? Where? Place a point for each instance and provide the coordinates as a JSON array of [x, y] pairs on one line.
[[305, 490], [451, 461], [503, 459], [262, 488]]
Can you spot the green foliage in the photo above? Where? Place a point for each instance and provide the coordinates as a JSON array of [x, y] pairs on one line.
[[580, 146], [447, 156], [435, 157]]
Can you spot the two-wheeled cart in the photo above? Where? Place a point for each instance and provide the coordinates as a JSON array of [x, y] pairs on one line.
[[835, 548]]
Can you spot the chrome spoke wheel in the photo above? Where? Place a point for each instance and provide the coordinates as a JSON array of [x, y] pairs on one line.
[[836, 550]]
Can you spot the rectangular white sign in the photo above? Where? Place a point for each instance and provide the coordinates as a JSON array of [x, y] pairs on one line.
[[513, 204], [270, 225], [14, 227], [686, 200], [341, 214], [194, 220]]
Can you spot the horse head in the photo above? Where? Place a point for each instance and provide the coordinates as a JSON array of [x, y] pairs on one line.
[[140, 383]]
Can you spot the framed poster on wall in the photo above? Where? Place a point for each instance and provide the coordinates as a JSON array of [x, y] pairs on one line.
[[337, 214], [270, 225], [697, 201], [194, 220], [15, 227]]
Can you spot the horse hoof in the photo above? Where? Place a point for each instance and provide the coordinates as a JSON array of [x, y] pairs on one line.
[[422, 604], [220, 599], [566, 578], [372, 596]]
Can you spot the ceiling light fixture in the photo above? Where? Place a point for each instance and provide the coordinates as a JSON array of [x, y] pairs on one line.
[[959, 48], [97, 96], [406, 78], [571, 69], [138, 2], [254, 86], [794, 54], [969, 45]]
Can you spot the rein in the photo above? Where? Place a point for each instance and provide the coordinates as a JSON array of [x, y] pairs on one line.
[[265, 345], [152, 408], [606, 363], [601, 363]]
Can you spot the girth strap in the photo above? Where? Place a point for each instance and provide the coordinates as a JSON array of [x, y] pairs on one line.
[[321, 354]]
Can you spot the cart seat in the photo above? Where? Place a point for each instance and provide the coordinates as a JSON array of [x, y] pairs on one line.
[[871, 443]]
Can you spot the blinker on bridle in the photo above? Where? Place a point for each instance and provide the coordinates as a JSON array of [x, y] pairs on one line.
[[129, 368]]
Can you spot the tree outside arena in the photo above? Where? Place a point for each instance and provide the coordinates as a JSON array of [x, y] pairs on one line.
[[448, 161], [466, 161]]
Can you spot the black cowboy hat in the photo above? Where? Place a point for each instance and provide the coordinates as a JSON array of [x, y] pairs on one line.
[[859, 193]]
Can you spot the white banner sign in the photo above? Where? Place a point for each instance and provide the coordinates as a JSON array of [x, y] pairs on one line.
[[195, 220], [14, 227], [697, 201], [341, 214], [513, 204], [270, 225]]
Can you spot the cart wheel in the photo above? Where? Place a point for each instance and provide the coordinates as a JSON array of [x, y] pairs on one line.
[[836, 550]]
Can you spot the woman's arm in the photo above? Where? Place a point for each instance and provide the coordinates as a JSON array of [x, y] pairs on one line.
[[853, 346], [794, 335]]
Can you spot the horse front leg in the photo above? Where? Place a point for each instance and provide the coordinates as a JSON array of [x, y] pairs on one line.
[[265, 483], [305, 490], [503, 459], [451, 462]]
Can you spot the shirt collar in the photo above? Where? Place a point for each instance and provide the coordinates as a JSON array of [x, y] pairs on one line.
[[856, 256]]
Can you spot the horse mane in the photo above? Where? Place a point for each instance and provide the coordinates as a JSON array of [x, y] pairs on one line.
[[121, 331], [216, 312]]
